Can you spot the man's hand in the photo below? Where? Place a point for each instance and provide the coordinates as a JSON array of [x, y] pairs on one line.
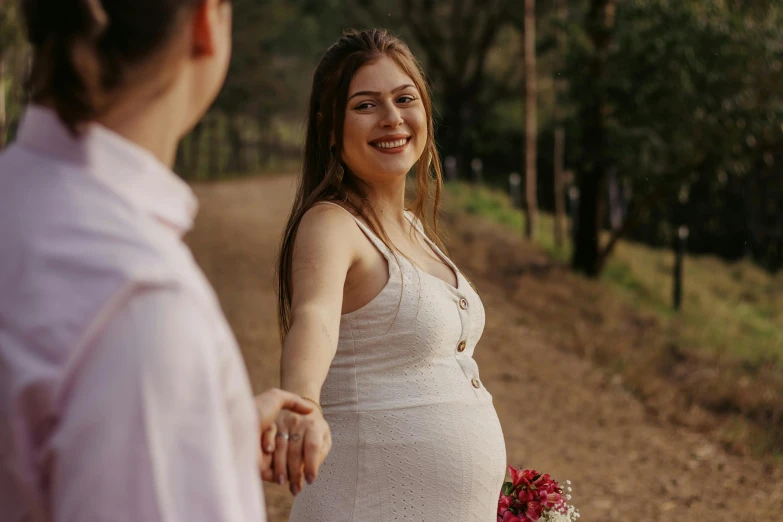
[[269, 404]]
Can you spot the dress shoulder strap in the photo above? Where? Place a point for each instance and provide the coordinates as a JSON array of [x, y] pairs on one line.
[[435, 248]]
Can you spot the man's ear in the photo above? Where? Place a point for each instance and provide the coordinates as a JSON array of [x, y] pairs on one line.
[[203, 30]]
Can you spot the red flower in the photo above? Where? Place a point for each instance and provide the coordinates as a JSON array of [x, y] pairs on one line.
[[534, 511], [549, 497], [510, 517], [516, 476], [528, 496]]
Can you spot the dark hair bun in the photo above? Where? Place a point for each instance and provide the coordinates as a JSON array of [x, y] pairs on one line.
[[48, 19], [84, 48]]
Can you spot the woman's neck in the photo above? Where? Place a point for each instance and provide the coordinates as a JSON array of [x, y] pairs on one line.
[[388, 201]]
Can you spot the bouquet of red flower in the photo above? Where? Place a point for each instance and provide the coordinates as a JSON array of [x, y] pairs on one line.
[[533, 496]]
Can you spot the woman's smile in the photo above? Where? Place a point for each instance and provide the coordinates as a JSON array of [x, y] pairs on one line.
[[391, 144]]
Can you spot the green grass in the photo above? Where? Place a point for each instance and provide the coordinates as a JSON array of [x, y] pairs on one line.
[[729, 309], [733, 309], [496, 205]]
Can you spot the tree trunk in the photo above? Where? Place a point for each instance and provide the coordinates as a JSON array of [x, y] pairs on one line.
[[591, 210], [214, 148], [3, 123], [559, 184], [194, 151], [180, 160], [531, 124], [592, 181], [559, 159], [455, 124], [616, 213], [247, 146], [236, 160]]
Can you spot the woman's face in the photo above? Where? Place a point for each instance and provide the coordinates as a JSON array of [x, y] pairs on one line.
[[385, 127]]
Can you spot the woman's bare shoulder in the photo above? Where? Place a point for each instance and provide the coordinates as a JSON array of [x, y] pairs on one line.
[[327, 224], [327, 215]]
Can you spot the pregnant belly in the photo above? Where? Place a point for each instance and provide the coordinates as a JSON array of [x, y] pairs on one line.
[[437, 462]]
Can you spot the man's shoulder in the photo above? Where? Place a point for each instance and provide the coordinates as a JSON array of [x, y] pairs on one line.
[[68, 246]]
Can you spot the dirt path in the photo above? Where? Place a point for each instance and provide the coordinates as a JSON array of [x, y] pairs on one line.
[[559, 413]]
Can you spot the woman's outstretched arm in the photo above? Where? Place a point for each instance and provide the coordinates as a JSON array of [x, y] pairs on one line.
[[324, 252]]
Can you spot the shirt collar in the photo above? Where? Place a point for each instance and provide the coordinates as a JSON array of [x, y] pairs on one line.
[[129, 170]]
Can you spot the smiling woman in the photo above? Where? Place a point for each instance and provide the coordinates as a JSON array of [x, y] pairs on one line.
[[391, 121], [378, 323], [363, 80]]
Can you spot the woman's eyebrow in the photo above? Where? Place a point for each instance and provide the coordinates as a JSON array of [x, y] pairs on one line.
[[376, 93]]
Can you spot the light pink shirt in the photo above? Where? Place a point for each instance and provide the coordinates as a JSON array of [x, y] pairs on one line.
[[123, 395]]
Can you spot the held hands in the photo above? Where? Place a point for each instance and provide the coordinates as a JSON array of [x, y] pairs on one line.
[[295, 444], [302, 443], [271, 402], [268, 407]]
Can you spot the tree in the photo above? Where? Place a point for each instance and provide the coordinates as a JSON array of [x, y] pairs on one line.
[[531, 122], [560, 85], [599, 24], [2, 101], [276, 44], [688, 104], [10, 39]]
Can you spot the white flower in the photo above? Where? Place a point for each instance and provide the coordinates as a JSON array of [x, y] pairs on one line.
[[563, 511]]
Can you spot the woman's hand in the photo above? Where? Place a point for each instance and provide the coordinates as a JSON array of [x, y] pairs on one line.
[[302, 443]]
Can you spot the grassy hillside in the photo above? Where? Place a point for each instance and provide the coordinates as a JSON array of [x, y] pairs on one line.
[[722, 354]]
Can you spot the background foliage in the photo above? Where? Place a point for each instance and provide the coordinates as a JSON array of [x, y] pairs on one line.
[[683, 97]]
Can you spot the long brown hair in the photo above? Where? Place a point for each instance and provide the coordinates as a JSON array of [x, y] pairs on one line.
[[324, 175]]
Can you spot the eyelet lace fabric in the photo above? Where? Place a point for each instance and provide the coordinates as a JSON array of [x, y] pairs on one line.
[[415, 434]]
